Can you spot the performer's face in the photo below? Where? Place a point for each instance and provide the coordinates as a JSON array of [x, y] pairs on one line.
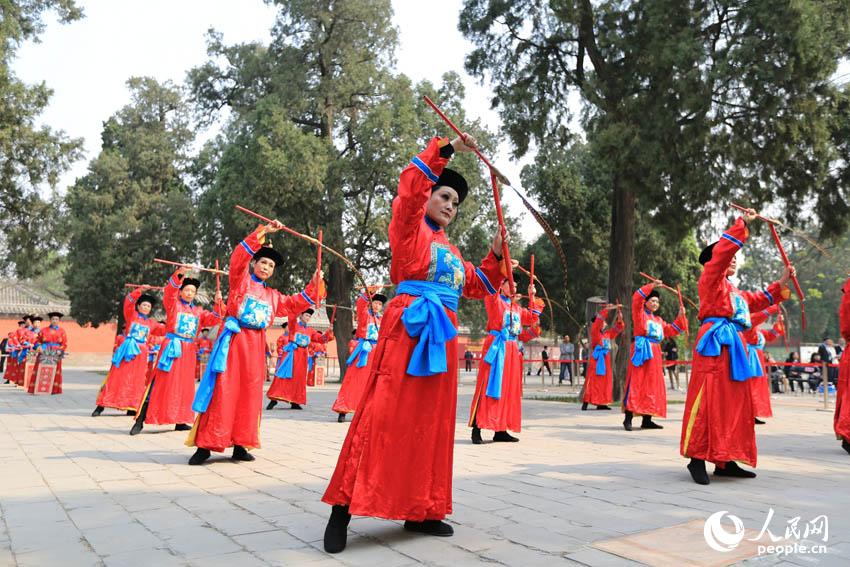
[[733, 266], [442, 206], [188, 293], [305, 317], [144, 308], [505, 289], [54, 320], [377, 306], [653, 305], [264, 268], [36, 323]]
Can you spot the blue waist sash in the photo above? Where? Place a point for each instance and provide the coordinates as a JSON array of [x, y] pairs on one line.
[[22, 354], [216, 364], [495, 357], [599, 354], [643, 349], [126, 351], [361, 352], [310, 360], [284, 367], [426, 319], [171, 351], [724, 332]]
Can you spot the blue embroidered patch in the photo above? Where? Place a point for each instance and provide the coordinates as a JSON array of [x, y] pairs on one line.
[[187, 325], [254, 313], [446, 268], [301, 340], [372, 332], [654, 330], [138, 332], [740, 311]]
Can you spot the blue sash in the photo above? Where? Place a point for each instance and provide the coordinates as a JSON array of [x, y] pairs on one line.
[[643, 349], [216, 364], [361, 352], [22, 354], [310, 362], [126, 351], [284, 368], [426, 318], [599, 354], [171, 351], [724, 332], [495, 357]]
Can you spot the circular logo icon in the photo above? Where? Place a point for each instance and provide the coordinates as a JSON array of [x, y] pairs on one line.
[[716, 535]]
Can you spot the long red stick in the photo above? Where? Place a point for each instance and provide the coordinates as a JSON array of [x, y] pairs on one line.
[[681, 304], [217, 279], [667, 287], [318, 265], [794, 279], [212, 270], [158, 288], [532, 270]]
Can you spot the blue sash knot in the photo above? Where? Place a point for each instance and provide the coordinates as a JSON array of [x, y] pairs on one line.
[[361, 352], [126, 351], [724, 332], [284, 367], [643, 349], [495, 357], [599, 354], [171, 351], [426, 319], [216, 364]]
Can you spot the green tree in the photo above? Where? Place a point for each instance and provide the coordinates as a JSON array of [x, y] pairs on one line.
[[687, 102], [133, 205], [31, 156], [318, 131]]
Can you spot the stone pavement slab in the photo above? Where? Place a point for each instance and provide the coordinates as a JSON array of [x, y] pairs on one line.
[[78, 490]]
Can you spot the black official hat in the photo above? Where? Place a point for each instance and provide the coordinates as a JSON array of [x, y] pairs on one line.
[[308, 310], [453, 179], [379, 297], [55, 314], [146, 297], [190, 281], [271, 253], [706, 254], [37, 318], [284, 324], [653, 293]]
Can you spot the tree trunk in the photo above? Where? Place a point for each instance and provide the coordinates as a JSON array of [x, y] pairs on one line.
[[620, 270], [340, 283]]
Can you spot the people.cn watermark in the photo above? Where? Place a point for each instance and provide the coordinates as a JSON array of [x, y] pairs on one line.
[[796, 539]]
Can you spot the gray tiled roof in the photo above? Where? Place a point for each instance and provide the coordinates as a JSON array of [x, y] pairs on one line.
[[20, 297]]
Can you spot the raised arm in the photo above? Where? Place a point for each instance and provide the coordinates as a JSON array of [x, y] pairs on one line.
[[130, 304], [638, 314], [297, 303], [531, 315], [596, 328], [678, 326], [730, 242], [172, 290], [614, 330], [844, 311], [480, 280]]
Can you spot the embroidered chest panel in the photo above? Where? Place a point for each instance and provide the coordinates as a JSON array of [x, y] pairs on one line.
[[254, 312], [186, 325], [138, 332], [445, 268]]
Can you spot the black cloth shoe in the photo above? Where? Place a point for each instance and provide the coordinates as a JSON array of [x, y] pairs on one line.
[[845, 445], [336, 532], [697, 469], [430, 527], [137, 427], [182, 427], [758, 421], [200, 456], [732, 469], [627, 421], [131, 412], [341, 418], [240, 453], [584, 406], [647, 423], [271, 405], [476, 436], [293, 405], [97, 411], [603, 407], [504, 437]]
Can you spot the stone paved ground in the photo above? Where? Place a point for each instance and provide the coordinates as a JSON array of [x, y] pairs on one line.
[[77, 490]]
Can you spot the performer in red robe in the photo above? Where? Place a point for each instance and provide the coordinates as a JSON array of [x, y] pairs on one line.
[[756, 340], [290, 381], [396, 461], [497, 401], [124, 386], [26, 337], [841, 419], [358, 365], [204, 346], [52, 338], [645, 391], [229, 399], [169, 395], [12, 348], [599, 382], [718, 424]]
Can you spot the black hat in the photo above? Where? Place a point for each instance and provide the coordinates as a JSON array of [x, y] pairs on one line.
[[379, 297], [706, 254], [308, 310], [453, 179], [25, 317], [269, 252], [55, 314], [653, 293], [190, 281], [146, 297], [22, 322], [37, 318], [285, 323], [205, 329]]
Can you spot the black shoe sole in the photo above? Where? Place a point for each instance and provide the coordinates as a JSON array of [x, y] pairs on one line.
[[419, 530], [698, 476]]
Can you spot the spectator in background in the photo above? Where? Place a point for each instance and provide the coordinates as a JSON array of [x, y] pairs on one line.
[[813, 371], [545, 356], [671, 353], [839, 348], [828, 354], [467, 360], [794, 374], [567, 352]]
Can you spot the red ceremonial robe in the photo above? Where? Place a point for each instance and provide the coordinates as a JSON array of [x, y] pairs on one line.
[[718, 424], [645, 390], [233, 414], [599, 389], [294, 390], [125, 384], [12, 347], [54, 338], [171, 392], [26, 340], [841, 420], [368, 325], [757, 339], [396, 461], [155, 340], [203, 347], [503, 413]]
